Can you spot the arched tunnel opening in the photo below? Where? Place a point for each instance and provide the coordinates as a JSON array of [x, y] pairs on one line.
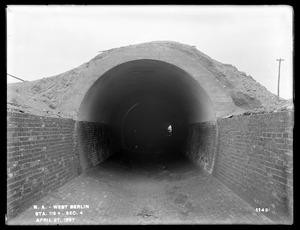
[[144, 146], [146, 111], [150, 133]]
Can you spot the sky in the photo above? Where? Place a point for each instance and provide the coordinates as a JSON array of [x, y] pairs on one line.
[[43, 41]]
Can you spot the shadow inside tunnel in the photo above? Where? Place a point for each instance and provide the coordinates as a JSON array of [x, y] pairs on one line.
[[161, 165]]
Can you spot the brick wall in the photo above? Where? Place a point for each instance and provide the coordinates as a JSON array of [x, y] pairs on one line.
[[95, 143], [40, 158], [255, 160], [201, 145]]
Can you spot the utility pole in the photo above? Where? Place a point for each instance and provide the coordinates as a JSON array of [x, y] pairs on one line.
[[280, 60]]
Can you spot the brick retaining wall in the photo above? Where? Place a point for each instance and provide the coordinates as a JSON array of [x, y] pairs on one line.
[[255, 160], [201, 145], [255, 156], [95, 143], [40, 158]]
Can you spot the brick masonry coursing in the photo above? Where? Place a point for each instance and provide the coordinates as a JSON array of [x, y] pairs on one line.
[[43, 153], [252, 155], [40, 158], [95, 143], [201, 145], [255, 160]]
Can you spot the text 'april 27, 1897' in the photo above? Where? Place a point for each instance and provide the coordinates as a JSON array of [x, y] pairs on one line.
[[58, 213]]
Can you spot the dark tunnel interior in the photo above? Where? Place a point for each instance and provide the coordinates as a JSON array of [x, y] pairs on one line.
[[149, 105]]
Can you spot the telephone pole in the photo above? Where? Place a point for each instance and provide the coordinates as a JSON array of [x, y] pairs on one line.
[[280, 60]]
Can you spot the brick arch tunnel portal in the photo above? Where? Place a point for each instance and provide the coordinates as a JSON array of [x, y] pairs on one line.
[[146, 108]]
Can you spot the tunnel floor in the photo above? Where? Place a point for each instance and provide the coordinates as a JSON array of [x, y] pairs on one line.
[[170, 190]]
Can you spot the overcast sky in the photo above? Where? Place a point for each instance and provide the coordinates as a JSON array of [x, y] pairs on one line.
[[44, 41]]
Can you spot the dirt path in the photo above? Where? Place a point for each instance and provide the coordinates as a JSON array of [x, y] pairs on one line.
[[119, 192]]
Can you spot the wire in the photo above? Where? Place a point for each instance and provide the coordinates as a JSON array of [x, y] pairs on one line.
[[15, 77]]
